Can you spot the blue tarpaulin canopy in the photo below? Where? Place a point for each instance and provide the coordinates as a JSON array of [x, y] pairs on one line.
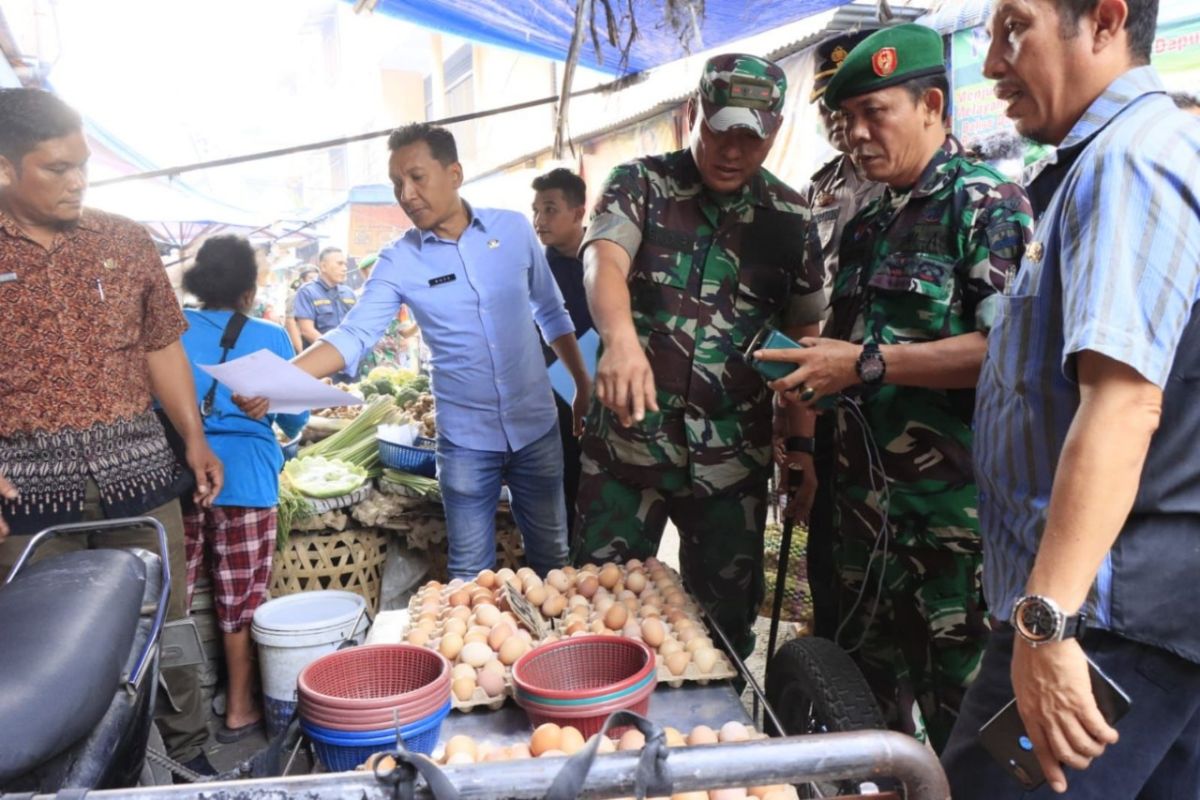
[[545, 27]]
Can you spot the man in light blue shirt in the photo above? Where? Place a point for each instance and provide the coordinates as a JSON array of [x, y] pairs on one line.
[[475, 280], [1086, 424]]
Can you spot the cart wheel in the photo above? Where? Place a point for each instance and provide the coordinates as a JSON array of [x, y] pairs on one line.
[[814, 687]]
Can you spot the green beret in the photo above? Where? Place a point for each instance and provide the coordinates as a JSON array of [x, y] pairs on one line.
[[886, 58]]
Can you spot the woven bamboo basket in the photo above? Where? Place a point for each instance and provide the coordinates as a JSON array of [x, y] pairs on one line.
[[351, 560], [510, 552]]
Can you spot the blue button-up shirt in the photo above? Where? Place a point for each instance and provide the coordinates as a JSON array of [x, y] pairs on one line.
[[475, 300], [1114, 268], [325, 305]]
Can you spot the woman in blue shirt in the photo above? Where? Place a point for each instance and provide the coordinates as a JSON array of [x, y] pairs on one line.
[[236, 536]]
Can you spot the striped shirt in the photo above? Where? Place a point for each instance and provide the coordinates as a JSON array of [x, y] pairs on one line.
[[1114, 268]]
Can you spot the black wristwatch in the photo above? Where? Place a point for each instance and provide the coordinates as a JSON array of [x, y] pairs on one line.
[[800, 444], [1039, 620], [870, 365]]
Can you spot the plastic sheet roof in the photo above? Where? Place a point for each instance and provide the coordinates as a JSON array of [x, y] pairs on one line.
[[544, 27]]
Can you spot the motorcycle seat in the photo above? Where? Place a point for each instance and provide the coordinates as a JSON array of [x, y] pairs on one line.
[[67, 624]]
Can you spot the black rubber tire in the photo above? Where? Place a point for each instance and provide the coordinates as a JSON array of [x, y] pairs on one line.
[[815, 687]]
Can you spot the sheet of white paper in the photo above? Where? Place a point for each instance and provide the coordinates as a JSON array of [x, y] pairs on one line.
[[289, 388]]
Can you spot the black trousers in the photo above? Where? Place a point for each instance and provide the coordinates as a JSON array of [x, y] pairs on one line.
[[823, 583], [571, 462], [1157, 757]]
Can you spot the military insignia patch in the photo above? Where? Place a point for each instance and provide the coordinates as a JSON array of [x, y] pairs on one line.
[[838, 55], [1034, 252], [493, 244], [825, 199], [884, 61]]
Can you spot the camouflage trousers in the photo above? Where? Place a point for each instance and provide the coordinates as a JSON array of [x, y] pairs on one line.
[[720, 537], [914, 622]]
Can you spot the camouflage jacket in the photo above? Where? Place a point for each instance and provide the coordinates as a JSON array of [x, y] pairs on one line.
[[835, 194], [707, 273], [917, 266]]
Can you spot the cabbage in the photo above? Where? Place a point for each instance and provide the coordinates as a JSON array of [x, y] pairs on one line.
[[320, 477]]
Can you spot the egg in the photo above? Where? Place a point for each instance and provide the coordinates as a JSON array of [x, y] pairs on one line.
[[461, 744], [653, 632], [547, 736], [636, 582], [610, 575], [487, 614], [602, 604], [576, 627], [491, 683], [536, 595], [765, 791], [499, 633], [481, 597], [677, 662], [676, 598], [698, 643], [380, 761], [460, 598], [734, 732], [632, 630], [476, 653], [687, 634], [706, 659], [606, 744], [649, 610], [455, 626], [690, 796], [669, 647], [525, 573], [493, 666], [476, 635], [460, 612], [631, 739], [588, 585], [462, 671], [577, 601], [504, 573], [615, 618], [702, 734], [417, 637], [554, 606], [674, 737], [498, 754], [598, 627], [463, 688], [450, 645], [513, 648], [556, 753], [558, 579], [426, 624], [519, 750], [778, 794], [727, 794], [487, 579], [571, 740]]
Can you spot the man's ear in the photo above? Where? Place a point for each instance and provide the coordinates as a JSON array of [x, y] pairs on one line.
[[8, 173], [456, 173], [1108, 23], [578, 213], [934, 103], [691, 111]]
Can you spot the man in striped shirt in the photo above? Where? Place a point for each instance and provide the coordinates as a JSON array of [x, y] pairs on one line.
[[1087, 421]]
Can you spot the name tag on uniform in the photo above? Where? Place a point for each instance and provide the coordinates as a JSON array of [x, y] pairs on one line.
[[322, 303], [443, 279], [8, 277], [349, 300]]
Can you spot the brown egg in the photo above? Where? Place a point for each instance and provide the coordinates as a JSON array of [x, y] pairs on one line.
[[698, 643], [463, 688], [460, 598], [598, 627], [763, 791], [491, 683], [602, 604], [677, 662], [576, 627], [571, 740], [450, 645], [558, 579], [427, 625], [525, 573], [632, 630], [653, 632], [674, 737], [734, 732], [702, 734], [554, 606], [547, 736], [649, 610], [476, 634], [495, 666], [513, 648], [455, 626], [419, 637], [588, 585], [578, 601], [476, 653], [635, 582], [633, 564], [499, 633], [552, 754], [686, 634], [779, 794], [460, 758], [487, 614], [631, 739], [461, 744], [498, 754], [592, 568], [536, 595], [669, 647], [615, 617], [460, 612], [480, 597], [727, 794], [690, 796], [606, 744], [486, 579], [610, 576], [706, 659]]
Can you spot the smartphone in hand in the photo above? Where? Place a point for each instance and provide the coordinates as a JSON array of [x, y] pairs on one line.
[[770, 339], [1003, 736]]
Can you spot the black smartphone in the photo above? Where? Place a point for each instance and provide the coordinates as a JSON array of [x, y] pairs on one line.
[[1003, 736]]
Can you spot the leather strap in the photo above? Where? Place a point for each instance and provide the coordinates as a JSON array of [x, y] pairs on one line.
[[403, 777], [229, 337], [651, 777]]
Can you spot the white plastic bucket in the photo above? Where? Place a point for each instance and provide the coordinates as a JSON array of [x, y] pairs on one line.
[[296, 630]]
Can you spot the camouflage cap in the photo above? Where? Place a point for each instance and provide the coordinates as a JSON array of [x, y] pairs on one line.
[[741, 91], [887, 57], [830, 54]]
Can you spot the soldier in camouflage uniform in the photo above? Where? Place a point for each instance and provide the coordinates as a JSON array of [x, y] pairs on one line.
[[688, 255], [920, 276]]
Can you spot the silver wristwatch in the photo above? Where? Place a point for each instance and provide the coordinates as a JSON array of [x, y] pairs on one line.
[[1039, 620]]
